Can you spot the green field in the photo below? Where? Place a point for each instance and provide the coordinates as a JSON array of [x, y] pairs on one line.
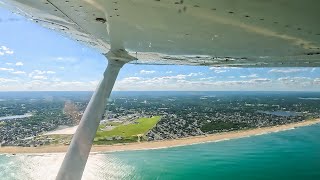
[[127, 132]]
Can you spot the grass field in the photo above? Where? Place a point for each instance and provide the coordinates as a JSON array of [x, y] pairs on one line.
[[127, 132]]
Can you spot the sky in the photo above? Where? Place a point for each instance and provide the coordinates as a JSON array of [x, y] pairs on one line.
[[33, 58]]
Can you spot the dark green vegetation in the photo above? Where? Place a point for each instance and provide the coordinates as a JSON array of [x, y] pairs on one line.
[[216, 126]]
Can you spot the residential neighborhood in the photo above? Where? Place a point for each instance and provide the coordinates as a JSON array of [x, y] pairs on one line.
[[27, 121]]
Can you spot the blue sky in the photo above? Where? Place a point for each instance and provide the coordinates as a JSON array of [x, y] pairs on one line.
[[35, 58]]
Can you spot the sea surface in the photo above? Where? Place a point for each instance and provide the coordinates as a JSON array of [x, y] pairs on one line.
[[285, 155]]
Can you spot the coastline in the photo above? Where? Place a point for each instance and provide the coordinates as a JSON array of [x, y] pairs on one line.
[[164, 143]]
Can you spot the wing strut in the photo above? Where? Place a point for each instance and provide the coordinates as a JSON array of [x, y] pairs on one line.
[[75, 160]]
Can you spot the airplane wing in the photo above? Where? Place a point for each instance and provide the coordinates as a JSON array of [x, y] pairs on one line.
[[241, 33], [245, 33]]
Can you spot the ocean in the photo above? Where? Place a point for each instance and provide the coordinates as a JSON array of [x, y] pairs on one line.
[[292, 154]]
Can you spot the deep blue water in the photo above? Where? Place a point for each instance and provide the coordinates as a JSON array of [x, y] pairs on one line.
[[293, 154]]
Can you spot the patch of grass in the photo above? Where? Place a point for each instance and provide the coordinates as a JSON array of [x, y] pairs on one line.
[[128, 132]]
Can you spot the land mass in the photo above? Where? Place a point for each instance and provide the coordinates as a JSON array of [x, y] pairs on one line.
[[163, 143], [50, 118]]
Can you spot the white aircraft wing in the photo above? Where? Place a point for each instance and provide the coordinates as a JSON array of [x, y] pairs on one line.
[[248, 33], [245, 33]]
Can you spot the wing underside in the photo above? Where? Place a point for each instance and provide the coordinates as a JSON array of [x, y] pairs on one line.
[[246, 33]]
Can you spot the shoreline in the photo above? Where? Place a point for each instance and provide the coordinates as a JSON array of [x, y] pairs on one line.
[[163, 143]]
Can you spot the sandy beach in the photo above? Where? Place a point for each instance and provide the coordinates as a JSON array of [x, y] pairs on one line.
[[164, 143]]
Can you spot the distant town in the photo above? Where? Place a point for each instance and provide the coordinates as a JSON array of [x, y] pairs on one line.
[[27, 118]]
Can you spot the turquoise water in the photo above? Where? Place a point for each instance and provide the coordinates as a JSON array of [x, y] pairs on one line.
[[293, 154]]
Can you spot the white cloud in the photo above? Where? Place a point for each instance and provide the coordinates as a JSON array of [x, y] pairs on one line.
[[185, 82], [208, 78], [146, 72], [4, 80], [66, 59], [221, 69], [18, 72], [19, 64], [5, 50], [179, 76], [40, 77], [260, 80], [51, 72], [284, 79], [74, 85], [297, 81], [36, 72], [179, 82], [40, 73], [155, 80], [131, 79], [9, 64], [168, 72], [67, 83], [196, 74], [56, 79], [6, 69], [250, 76], [46, 85], [290, 70], [302, 78], [253, 76]]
